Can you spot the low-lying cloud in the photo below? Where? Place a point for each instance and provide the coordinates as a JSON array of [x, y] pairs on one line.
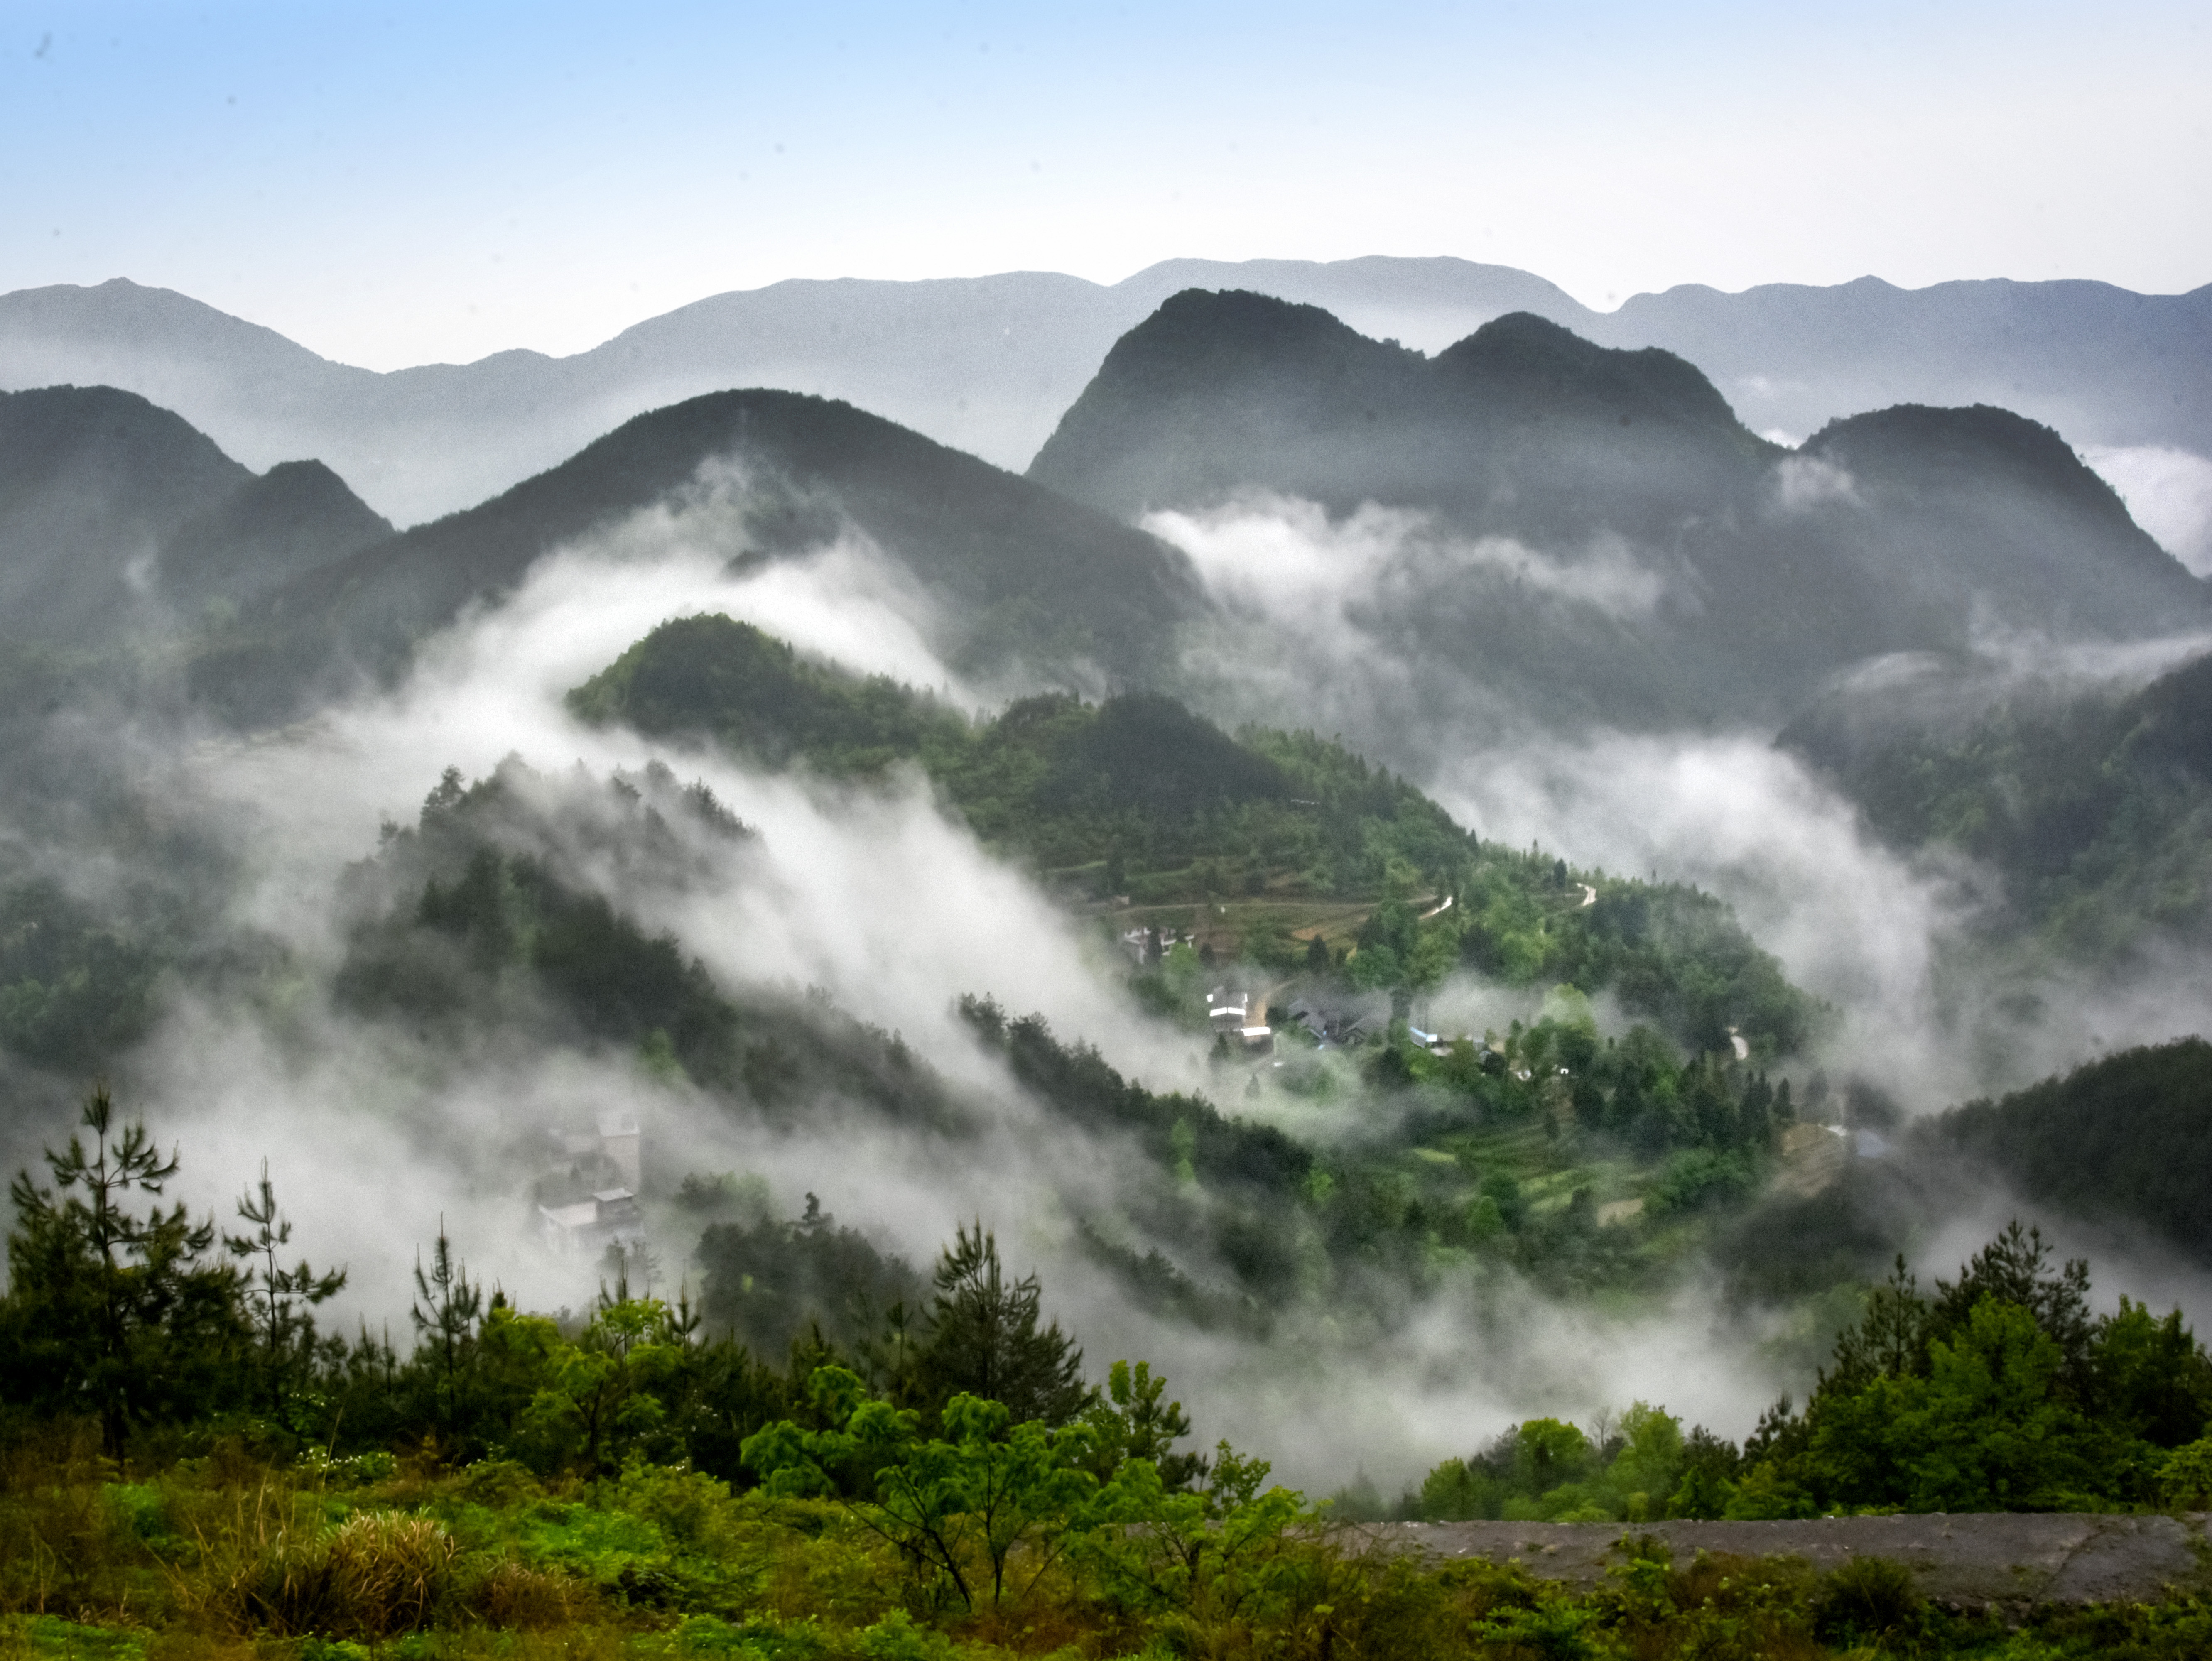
[[2168, 492], [1803, 482], [375, 1136], [1286, 559]]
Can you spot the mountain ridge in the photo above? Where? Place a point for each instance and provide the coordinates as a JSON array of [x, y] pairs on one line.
[[1733, 573], [988, 364]]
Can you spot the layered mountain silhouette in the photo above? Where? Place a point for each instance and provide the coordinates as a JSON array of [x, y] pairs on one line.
[[1595, 531], [115, 512], [988, 364], [1583, 533], [2105, 365], [1027, 582], [1217, 393]]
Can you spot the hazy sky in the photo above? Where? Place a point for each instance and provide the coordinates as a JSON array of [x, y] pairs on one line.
[[400, 183]]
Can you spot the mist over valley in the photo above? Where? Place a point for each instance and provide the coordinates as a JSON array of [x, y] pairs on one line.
[[1421, 885]]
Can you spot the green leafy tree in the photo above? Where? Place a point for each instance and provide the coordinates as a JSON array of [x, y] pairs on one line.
[[1649, 1464], [1134, 1422], [1213, 1552], [1983, 1431], [598, 1401], [957, 1507]]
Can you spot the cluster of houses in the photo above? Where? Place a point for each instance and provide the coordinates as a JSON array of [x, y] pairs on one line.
[[603, 1216]]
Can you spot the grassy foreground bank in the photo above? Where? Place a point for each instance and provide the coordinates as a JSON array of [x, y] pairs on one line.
[[224, 1555]]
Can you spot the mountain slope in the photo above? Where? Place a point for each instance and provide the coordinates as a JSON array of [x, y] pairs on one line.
[[2094, 808], [1216, 392], [295, 516], [2000, 504], [91, 481], [2126, 1139], [1025, 577]]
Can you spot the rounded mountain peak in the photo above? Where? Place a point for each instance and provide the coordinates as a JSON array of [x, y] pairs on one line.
[[1201, 334], [1522, 352]]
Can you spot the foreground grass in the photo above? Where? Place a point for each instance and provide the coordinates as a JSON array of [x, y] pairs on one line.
[[225, 1556]]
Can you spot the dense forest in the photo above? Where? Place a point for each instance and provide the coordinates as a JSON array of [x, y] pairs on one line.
[[193, 1462], [2125, 1140]]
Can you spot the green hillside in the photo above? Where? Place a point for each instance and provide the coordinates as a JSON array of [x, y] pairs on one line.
[[2095, 809], [2125, 1139], [1137, 798]]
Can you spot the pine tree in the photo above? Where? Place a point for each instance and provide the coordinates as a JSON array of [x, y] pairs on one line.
[[447, 1326], [284, 1296], [112, 1310], [985, 1338]]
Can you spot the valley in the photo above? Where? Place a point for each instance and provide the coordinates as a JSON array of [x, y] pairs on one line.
[[877, 838]]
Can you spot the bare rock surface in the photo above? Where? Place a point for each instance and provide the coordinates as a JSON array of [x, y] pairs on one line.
[[2003, 1559]]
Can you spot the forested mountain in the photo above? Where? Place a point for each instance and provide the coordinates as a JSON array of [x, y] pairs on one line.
[[1334, 1093], [114, 513], [1607, 539], [91, 481], [1985, 503], [502, 911], [295, 516], [1026, 579], [1220, 392], [2093, 806]]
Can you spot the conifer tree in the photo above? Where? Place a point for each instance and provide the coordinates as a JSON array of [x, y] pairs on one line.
[[283, 1296], [985, 1338], [114, 1313], [445, 1316]]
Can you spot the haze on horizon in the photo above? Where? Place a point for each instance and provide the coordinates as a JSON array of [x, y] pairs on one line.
[[411, 186]]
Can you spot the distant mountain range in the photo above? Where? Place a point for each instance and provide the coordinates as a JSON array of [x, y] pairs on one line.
[[988, 364]]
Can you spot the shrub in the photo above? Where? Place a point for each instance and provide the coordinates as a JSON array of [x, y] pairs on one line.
[[2185, 1479], [532, 1600], [1872, 1598], [376, 1574]]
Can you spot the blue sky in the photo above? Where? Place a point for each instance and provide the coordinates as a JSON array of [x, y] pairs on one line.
[[404, 183]]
